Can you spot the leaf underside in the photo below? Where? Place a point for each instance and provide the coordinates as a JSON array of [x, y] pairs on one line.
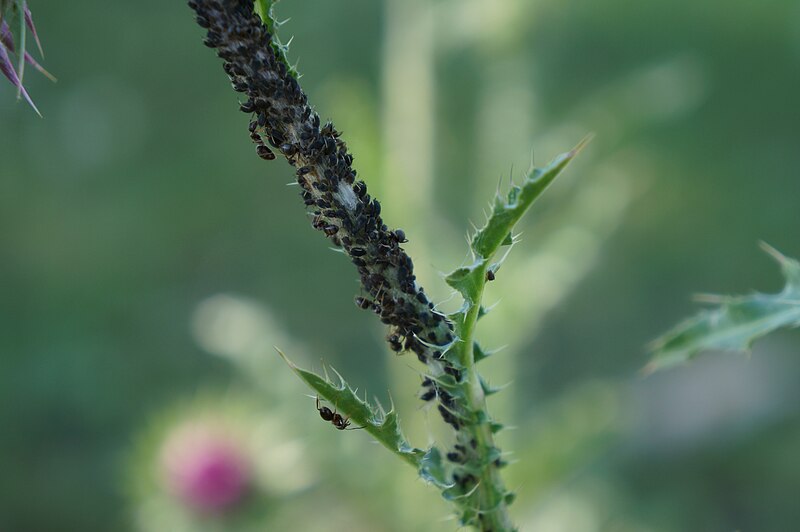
[[735, 323]]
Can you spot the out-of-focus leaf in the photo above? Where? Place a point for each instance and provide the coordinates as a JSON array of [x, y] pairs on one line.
[[735, 323], [383, 426]]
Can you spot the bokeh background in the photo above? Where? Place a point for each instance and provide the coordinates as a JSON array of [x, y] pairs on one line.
[[149, 261]]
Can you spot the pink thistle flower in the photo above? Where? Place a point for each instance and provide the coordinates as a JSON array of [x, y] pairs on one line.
[[205, 468]]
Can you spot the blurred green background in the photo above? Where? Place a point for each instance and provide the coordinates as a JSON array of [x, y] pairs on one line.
[[149, 261]]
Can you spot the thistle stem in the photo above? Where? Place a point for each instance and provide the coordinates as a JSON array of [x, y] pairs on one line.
[[492, 510]]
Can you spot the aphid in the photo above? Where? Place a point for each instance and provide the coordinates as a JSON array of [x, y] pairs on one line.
[[248, 106], [394, 343], [265, 153], [490, 275], [429, 395], [360, 188], [362, 303], [335, 418], [455, 373], [455, 457], [400, 235]]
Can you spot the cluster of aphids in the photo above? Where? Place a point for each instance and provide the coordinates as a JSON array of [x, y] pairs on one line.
[[341, 207], [447, 405]]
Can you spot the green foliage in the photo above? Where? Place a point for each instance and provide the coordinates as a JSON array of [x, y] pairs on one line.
[[735, 323], [484, 503], [507, 211], [383, 426], [265, 11], [474, 485]]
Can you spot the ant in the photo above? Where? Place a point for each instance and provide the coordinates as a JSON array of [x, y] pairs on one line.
[[336, 419]]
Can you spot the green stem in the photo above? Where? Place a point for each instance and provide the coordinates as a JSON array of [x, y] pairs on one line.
[[490, 491], [486, 505]]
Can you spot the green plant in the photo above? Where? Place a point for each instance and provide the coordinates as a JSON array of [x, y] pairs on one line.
[[467, 472], [735, 324]]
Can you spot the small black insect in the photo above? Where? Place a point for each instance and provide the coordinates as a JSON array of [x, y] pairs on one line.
[[248, 106], [341, 423], [265, 153], [490, 275], [394, 343], [429, 395]]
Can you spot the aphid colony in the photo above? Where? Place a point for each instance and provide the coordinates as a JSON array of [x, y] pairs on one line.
[[340, 206]]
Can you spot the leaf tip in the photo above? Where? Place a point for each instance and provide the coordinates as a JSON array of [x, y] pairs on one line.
[[581, 145], [284, 357], [774, 253]]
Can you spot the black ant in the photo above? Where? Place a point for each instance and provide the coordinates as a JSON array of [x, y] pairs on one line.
[[336, 419]]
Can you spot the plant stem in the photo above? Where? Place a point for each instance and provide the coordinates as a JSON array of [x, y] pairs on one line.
[[492, 510]]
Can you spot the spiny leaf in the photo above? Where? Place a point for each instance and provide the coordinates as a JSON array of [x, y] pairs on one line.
[[264, 8], [496, 427], [433, 470], [478, 353], [488, 389], [735, 323], [507, 211], [468, 280], [384, 427]]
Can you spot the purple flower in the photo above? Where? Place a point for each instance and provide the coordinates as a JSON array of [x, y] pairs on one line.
[[7, 68], [205, 468], [7, 46], [7, 39], [29, 22]]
